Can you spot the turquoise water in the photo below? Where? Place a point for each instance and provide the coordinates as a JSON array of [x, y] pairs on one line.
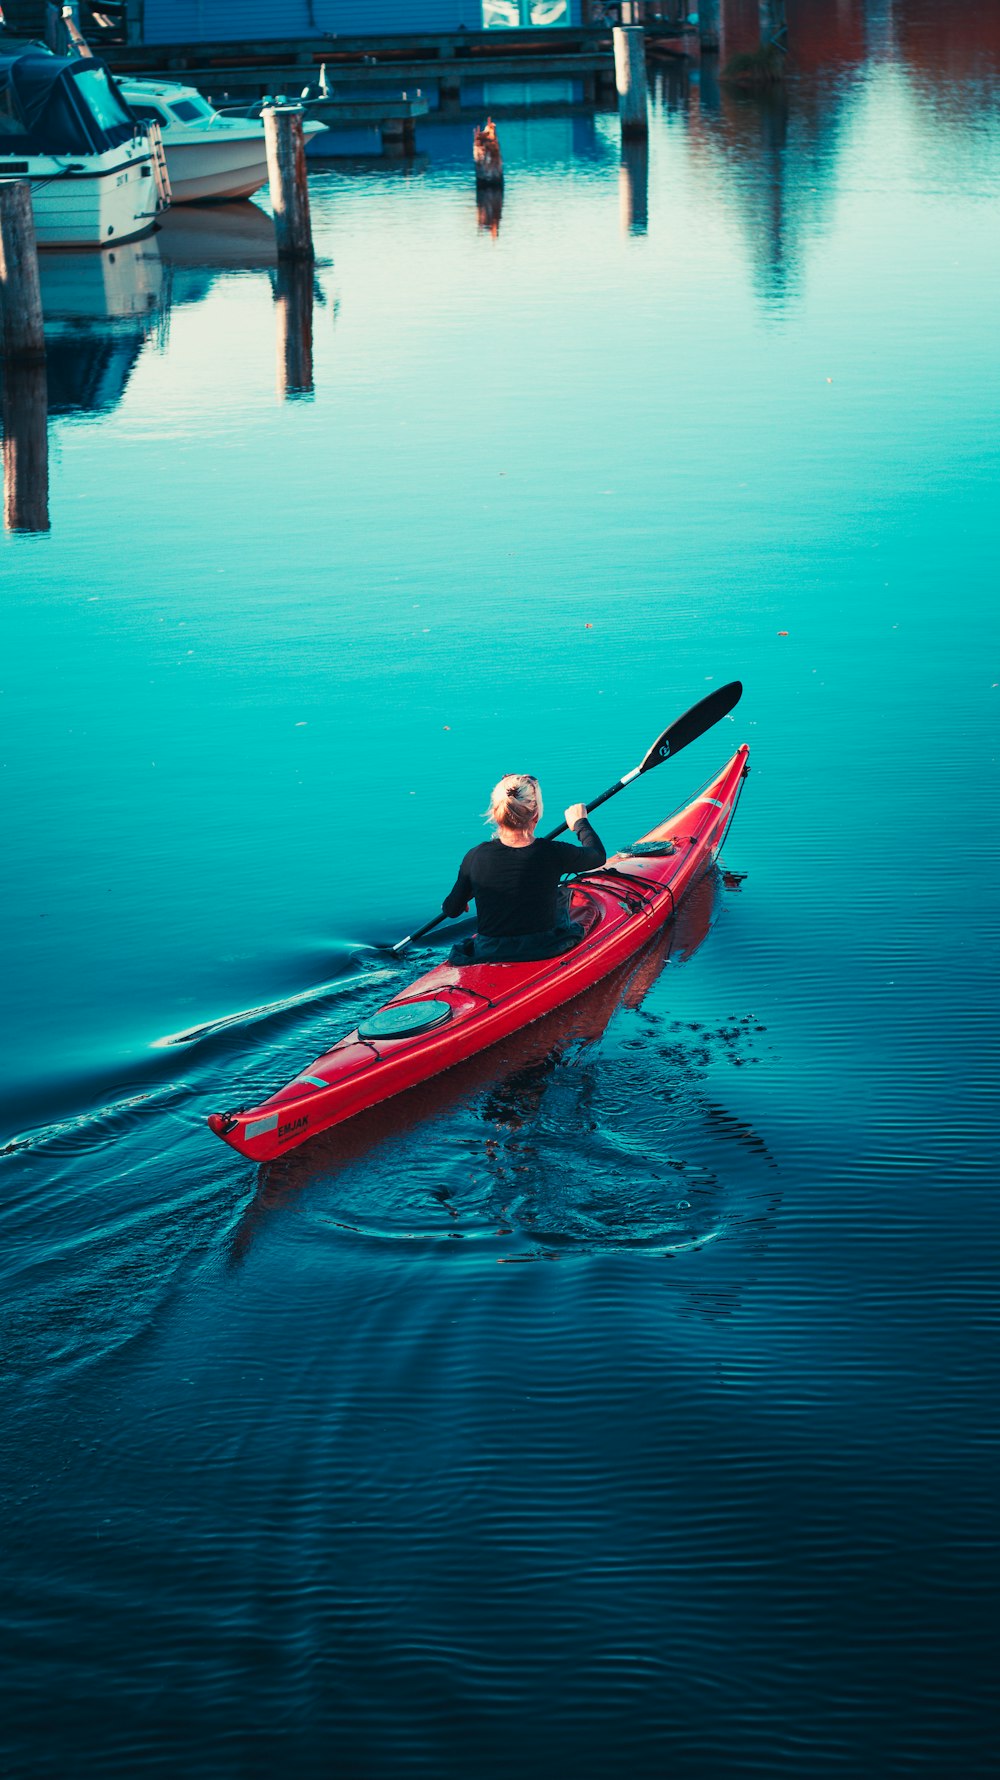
[[714, 1492]]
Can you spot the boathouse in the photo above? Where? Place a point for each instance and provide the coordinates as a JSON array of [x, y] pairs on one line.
[[202, 21], [262, 21]]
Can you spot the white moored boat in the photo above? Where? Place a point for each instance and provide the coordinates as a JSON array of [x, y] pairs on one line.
[[208, 155], [97, 175]]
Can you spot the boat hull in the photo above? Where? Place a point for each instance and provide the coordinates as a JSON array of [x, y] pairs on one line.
[[620, 906], [208, 168], [194, 182], [102, 202]]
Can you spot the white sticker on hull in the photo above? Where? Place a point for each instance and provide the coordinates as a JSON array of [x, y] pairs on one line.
[[257, 1127]]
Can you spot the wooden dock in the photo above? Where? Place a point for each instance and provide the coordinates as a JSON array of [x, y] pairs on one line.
[[436, 62], [396, 119]]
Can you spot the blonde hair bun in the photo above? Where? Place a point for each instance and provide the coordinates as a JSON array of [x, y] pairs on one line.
[[515, 801]]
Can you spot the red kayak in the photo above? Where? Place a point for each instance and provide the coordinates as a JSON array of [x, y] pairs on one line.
[[456, 1010]]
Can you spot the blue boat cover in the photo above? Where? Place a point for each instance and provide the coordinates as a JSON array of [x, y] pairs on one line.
[[53, 106]]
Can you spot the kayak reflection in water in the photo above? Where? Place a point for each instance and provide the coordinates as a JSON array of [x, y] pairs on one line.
[[521, 911]]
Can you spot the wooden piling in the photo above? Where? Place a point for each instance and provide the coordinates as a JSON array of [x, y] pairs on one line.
[[20, 292], [293, 293], [73, 32], [25, 446], [630, 79], [486, 156], [288, 181]]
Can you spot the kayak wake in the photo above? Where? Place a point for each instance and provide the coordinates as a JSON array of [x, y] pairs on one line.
[[91, 1129], [247, 1016]]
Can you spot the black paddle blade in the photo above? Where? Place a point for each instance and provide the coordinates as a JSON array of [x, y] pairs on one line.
[[694, 723]]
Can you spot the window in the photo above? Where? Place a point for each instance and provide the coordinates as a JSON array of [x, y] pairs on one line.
[[186, 110], [148, 113], [499, 15]]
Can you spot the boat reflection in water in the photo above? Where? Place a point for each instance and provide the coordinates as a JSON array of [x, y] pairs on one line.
[[199, 246], [505, 1110], [223, 238], [489, 209], [100, 309]]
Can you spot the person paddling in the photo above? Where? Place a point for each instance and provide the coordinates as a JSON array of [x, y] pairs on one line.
[[514, 878]]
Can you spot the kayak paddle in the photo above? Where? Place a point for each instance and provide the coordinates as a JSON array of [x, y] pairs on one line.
[[702, 716]]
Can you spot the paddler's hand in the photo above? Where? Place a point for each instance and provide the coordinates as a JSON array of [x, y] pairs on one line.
[[575, 814]]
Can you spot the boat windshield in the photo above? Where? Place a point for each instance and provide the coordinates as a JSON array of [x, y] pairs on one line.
[[187, 110], [149, 113], [51, 106], [100, 98]]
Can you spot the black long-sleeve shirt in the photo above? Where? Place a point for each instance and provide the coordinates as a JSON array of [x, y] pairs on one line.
[[515, 887]]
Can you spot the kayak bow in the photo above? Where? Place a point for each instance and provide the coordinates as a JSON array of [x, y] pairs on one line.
[[456, 1010]]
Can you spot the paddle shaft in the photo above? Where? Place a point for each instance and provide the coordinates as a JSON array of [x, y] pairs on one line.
[[612, 791], [683, 730]]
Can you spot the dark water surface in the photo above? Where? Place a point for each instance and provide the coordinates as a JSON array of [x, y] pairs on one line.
[[625, 1402]]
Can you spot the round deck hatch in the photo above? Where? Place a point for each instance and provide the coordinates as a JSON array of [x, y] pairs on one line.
[[649, 849], [405, 1019]]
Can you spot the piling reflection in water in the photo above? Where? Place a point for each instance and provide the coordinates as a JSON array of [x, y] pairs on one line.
[[633, 185], [25, 448], [489, 209], [293, 304]]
